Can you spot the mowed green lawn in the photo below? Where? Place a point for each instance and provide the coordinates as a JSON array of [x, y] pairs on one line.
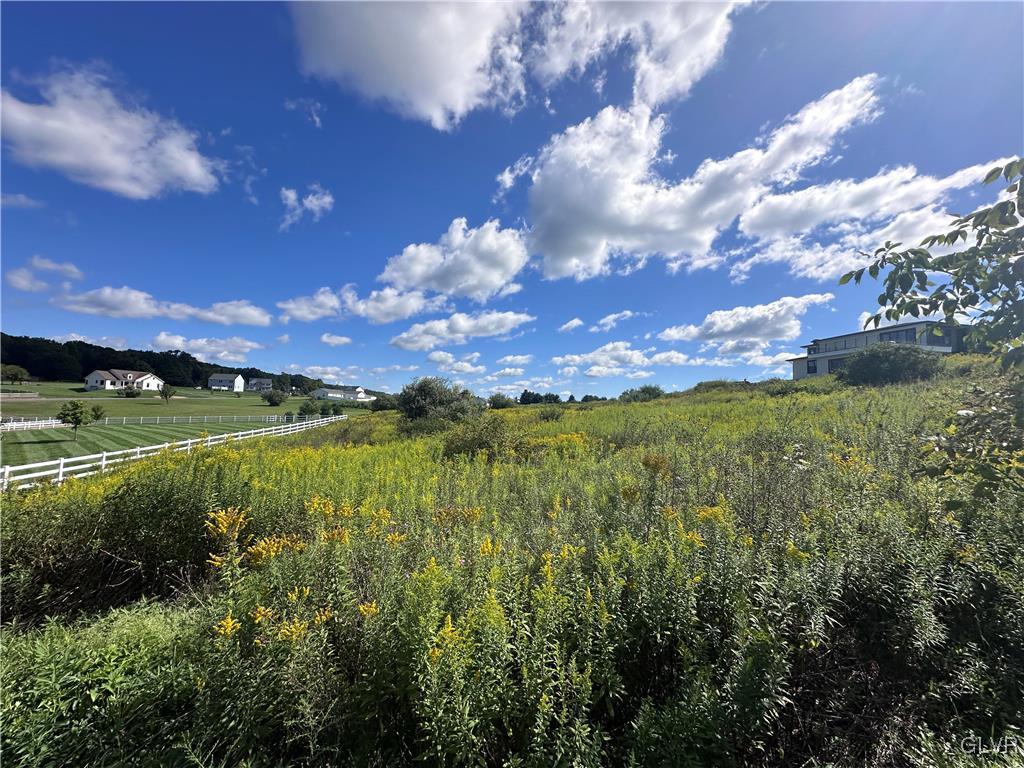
[[187, 402], [34, 445]]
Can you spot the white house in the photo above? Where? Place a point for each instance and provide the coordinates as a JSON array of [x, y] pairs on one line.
[[259, 385], [342, 393], [227, 382], [830, 354], [118, 378]]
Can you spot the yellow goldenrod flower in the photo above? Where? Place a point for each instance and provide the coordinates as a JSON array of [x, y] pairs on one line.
[[293, 629], [296, 593], [227, 626], [489, 548], [368, 610], [226, 523], [394, 539], [262, 614], [323, 615]]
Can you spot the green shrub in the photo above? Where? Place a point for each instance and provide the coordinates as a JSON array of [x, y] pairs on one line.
[[889, 363], [437, 399], [642, 394], [490, 433], [498, 401], [274, 397]]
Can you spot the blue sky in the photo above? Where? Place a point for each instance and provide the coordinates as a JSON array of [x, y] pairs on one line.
[[574, 198]]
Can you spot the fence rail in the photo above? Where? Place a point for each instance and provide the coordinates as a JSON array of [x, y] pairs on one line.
[[14, 426], [17, 423], [59, 470]]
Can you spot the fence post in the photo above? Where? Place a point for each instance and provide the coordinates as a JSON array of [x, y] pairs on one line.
[[60, 471], [103, 462], [7, 476]]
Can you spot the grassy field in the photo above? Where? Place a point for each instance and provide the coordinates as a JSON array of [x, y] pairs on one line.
[[35, 445], [187, 402], [746, 576]]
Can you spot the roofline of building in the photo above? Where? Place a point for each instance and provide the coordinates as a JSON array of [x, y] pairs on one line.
[[879, 328]]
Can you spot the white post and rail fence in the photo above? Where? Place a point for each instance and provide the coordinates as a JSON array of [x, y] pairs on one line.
[[59, 470], [13, 423]]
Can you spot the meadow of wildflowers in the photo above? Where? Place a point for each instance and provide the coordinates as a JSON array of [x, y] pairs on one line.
[[738, 576]]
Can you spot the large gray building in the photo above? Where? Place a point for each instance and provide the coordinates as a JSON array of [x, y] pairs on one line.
[[828, 355]]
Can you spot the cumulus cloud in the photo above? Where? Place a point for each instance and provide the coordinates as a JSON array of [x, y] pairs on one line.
[[130, 302], [507, 178], [316, 202], [430, 61], [18, 200], [113, 342], [620, 358], [458, 57], [23, 279], [231, 350], [477, 263], [446, 361], [595, 193], [673, 44], [569, 370], [459, 328], [570, 326], [509, 372], [819, 231], [515, 360], [779, 319], [330, 374], [323, 303], [334, 340], [608, 322], [389, 304], [99, 138]]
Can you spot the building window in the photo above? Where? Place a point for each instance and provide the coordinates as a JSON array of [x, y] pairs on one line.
[[906, 336], [812, 366], [943, 339], [812, 350], [835, 364]]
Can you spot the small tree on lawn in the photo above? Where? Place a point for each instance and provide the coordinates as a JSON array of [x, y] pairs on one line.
[[98, 412], [309, 407], [74, 414], [274, 397], [14, 373], [167, 392]]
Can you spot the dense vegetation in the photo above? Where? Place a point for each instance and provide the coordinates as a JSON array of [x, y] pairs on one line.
[[890, 363], [74, 360], [740, 575]]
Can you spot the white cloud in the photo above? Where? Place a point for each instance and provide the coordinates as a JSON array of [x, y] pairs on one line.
[[430, 61], [779, 319], [334, 340], [509, 372], [614, 354], [284, 338], [570, 326], [619, 358], [459, 328], [820, 230], [608, 322], [65, 269], [18, 200], [316, 202], [23, 279], [507, 178], [445, 361], [640, 375], [130, 302], [323, 303], [312, 108], [114, 342], [595, 193], [231, 350], [673, 44], [388, 304], [515, 360], [569, 370], [86, 131], [474, 262], [330, 374]]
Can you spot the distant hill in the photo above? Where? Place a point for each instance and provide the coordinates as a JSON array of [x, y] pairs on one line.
[[73, 360]]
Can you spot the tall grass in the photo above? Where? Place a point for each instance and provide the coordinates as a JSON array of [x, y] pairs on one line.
[[722, 578]]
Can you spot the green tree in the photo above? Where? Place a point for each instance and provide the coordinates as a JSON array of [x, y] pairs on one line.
[[167, 392], [436, 398], [384, 402], [309, 407], [498, 401], [274, 397], [642, 394], [981, 276], [14, 373], [73, 413], [97, 412]]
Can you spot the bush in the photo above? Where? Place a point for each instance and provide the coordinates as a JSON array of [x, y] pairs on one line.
[[129, 392], [274, 397], [499, 401], [889, 363], [550, 413], [384, 402], [642, 394], [436, 398], [309, 407], [490, 433]]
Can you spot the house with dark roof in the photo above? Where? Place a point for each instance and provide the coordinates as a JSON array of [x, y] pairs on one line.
[[227, 382], [119, 378]]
